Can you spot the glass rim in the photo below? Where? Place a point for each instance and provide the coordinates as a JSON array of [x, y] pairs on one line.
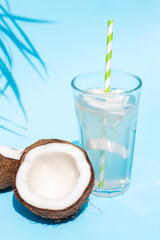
[[108, 94]]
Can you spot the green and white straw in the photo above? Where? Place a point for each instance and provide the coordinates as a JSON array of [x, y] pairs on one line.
[[101, 170], [109, 55], [107, 89]]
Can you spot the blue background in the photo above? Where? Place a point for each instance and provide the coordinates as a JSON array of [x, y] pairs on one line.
[[76, 44]]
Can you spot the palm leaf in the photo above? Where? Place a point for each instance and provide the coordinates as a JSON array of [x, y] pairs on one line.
[[34, 52], [11, 131], [5, 42], [12, 83], [25, 19], [4, 88], [5, 96], [4, 49], [9, 121], [26, 48], [8, 6], [14, 39], [2, 92], [21, 47]]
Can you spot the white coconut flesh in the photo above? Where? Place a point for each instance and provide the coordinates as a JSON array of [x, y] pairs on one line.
[[10, 152], [53, 176]]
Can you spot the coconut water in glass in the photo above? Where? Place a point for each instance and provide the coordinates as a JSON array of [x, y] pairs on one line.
[[107, 124]]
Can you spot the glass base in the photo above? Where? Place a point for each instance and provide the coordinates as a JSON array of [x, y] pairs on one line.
[[113, 192]]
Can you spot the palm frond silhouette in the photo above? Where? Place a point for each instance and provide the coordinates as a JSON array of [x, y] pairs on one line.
[[24, 45]]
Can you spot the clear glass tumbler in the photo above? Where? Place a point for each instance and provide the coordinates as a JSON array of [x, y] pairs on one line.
[[108, 127]]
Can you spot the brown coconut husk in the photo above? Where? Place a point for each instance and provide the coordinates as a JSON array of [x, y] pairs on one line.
[[54, 214], [7, 167]]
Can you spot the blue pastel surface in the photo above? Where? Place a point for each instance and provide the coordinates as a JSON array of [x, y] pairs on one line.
[[74, 44]]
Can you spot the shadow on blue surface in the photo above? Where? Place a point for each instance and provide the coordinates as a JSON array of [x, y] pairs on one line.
[[6, 190], [77, 142], [19, 208], [12, 32]]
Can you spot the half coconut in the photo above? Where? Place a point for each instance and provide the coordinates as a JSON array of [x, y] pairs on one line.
[[9, 160], [54, 178]]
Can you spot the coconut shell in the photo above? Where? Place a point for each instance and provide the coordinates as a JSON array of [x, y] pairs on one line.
[[7, 167], [54, 214]]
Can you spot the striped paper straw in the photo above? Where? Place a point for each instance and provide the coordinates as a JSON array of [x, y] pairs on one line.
[[101, 169], [108, 57], [101, 177], [107, 89]]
